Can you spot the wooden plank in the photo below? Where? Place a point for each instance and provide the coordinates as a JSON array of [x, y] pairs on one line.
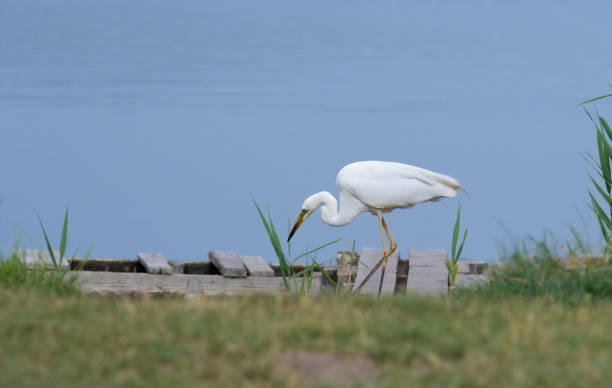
[[297, 268], [427, 274], [200, 268], [121, 284], [155, 263], [34, 257], [228, 263], [107, 265], [470, 281], [428, 252], [367, 260], [347, 269], [401, 277], [325, 283], [178, 266], [467, 266], [189, 267], [477, 268], [256, 266]]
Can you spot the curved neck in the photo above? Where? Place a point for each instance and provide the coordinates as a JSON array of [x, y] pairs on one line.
[[329, 209]]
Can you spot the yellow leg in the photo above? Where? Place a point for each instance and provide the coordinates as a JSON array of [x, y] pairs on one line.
[[391, 240], [383, 261], [381, 221]]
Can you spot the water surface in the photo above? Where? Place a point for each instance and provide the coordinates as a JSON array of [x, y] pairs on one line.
[[159, 123]]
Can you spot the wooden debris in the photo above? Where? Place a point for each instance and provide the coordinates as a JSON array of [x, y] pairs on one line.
[[477, 268], [256, 266], [178, 266], [423, 273], [118, 283], [200, 268], [347, 257], [155, 263], [470, 281], [401, 277], [228, 263], [467, 266], [107, 265], [367, 260], [326, 284], [427, 274], [347, 268], [34, 257]]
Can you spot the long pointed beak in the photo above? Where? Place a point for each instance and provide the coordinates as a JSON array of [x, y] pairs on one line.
[[298, 222]]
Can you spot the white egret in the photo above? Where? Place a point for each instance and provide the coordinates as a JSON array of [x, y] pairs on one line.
[[378, 188]]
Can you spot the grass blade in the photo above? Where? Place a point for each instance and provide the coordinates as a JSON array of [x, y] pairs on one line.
[[303, 284], [596, 99], [316, 249], [601, 214], [605, 126], [604, 230], [600, 190], [456, 231], [460, 248], [302, 272], [48, 243], [64, 238], [332, 282], [309, 283], [277, 248], [604, 158], [448, 266]]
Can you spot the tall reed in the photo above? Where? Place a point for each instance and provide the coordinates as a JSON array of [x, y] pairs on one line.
[[602, 167], [290, 278], [452, 264], [58, 262]]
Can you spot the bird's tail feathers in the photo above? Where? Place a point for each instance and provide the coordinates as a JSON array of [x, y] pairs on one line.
[[445, 180]]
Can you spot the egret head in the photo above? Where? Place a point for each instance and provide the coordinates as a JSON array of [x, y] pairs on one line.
[[308, 207]]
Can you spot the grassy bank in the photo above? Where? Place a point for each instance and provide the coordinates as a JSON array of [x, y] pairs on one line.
[[15, 275], [237, 341], [543, 322]]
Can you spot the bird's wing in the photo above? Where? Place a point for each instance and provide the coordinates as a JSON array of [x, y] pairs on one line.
[[426, 176], [387, 185]]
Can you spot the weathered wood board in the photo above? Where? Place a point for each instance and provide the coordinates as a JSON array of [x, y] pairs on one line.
[[155, 263], [470, 281], [228, 263], [467, 266], [427, 274], [423, 273], [178, 266], [401, 276], [367, 260], [117, 283], [107, 265], [256, 266], [34, 257], [347, 268]]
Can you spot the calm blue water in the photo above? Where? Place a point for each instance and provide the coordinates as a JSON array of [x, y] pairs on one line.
[[159, 123]]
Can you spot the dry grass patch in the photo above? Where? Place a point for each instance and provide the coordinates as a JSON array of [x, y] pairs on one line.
[[319, 367]]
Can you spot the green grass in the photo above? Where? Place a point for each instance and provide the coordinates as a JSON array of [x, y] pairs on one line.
[[536, 270], [14, 275], [239, 341]]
